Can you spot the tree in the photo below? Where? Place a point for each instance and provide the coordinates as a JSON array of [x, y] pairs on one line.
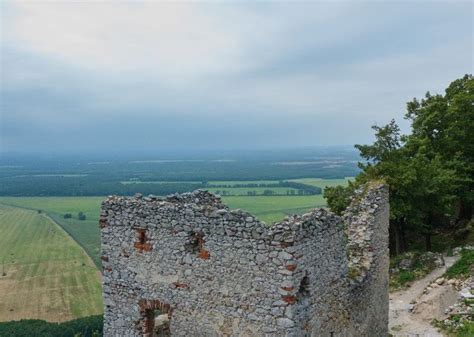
[[81, 216], [429, 171], [443, 127]]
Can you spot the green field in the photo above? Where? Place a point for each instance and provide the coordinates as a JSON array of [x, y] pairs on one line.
[[45, 274], [323, 182], [85, 232], [274, 208]]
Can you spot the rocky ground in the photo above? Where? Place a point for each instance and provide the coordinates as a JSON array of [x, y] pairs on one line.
[[404, 320], [459, 314], [433, 298]]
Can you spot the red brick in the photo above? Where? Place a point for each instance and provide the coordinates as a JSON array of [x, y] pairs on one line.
[[204, 254], [291, 267], [289, 299]]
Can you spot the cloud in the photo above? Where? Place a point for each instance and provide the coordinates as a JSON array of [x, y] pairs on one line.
[[317, 73]]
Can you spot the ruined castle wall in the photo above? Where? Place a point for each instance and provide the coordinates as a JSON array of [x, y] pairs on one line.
[[220, 272], [367, 220]]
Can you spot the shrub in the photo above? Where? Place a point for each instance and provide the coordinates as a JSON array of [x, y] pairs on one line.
[[81, 216], [462, 267], [406, 276]]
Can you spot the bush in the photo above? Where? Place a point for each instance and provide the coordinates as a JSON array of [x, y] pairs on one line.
[[462, 267], [406, 276], [81, 216], [67, 216], [466, 331]]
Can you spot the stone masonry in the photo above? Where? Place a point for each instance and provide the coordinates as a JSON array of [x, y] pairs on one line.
[[206, 270]]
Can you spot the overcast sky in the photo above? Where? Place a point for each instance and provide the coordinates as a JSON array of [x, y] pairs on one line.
[[96, 76]]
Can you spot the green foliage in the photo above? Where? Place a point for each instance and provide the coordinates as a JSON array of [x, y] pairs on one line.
[[430, 171], [463, 267], [338, 197], [466, 331], [406, 276], [81, 216], [84, 327]]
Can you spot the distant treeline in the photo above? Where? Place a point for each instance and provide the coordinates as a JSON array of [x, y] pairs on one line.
[[53, 186], [87, 186], [91, 326], [304, 188]]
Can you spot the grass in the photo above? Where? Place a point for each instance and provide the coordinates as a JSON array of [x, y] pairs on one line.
[[463, 267], [274, 208], [466, 331], [85, 232], [45, 274]]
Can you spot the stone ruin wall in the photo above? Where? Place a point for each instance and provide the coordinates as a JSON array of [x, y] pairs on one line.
[[221, 272]]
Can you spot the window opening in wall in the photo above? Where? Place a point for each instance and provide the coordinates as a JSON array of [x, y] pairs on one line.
[[155, 319], [303, 290], [141, 237], [142, 243], [195, 245]]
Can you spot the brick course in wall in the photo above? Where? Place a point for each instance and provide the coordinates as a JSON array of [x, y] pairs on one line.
[[218, 272]]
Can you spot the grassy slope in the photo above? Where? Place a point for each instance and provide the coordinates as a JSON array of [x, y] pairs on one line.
[[48, 276], [85, 232]]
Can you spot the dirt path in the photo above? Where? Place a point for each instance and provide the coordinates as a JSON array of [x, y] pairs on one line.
[[401, 321]]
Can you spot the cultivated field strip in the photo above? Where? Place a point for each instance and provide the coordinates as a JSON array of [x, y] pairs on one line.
[[44, 273]]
